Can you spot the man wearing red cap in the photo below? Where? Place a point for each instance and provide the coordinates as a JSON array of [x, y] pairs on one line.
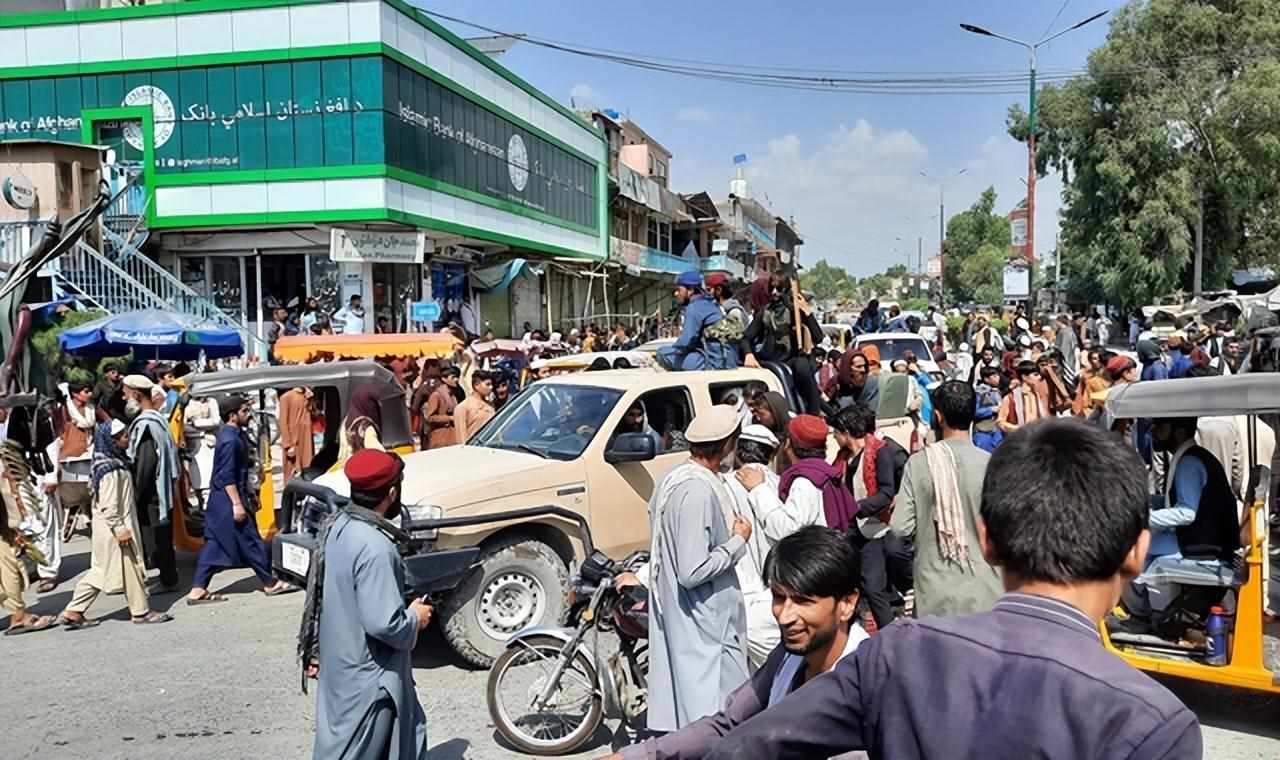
[[730, 329], [367, 706], [809, 492]]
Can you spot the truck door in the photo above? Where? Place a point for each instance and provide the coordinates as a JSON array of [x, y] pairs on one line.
[[619, 493]]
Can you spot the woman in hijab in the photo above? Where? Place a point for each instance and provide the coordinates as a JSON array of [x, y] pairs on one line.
[[116, 562], [362, 428]]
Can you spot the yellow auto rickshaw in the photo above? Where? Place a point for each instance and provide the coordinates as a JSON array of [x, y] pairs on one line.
[[1238, 584], [334, 384]]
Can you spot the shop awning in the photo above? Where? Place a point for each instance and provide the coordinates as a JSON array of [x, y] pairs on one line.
[[305, 348], [498, 277]]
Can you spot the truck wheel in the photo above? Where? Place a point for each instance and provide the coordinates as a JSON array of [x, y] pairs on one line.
[[521, 582]]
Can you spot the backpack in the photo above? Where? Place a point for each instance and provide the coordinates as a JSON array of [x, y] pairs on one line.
[[730, 328]]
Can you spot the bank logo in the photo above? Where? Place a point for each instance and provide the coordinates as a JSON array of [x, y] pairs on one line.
[[517, 162], [162, 115]]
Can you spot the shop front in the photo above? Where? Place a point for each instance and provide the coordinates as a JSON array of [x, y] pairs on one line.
[[262, 127]]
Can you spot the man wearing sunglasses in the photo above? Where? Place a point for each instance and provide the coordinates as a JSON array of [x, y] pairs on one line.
[[784, 331]]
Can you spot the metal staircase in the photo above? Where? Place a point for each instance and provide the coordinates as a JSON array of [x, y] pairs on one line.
[[121, 277]]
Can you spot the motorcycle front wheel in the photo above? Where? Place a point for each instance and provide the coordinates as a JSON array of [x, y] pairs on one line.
[[570, 715]]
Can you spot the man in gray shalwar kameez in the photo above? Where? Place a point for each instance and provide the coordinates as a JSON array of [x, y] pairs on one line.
[[698, 622], [367, 706]]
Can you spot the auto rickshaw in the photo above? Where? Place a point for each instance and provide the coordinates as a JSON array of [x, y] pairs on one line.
[[1212, 581], [333, 384]]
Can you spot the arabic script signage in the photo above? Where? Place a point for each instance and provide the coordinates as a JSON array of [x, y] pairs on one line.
[[377, 246], [367, 110]]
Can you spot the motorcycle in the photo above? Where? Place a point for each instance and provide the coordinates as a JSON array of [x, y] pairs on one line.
[[549, 691]]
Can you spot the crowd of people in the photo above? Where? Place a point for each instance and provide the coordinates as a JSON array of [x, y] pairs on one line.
[[113, 455]]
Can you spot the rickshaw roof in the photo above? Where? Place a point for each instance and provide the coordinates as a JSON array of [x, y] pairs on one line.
[[345, 375], [301, 348], [1252, 393]]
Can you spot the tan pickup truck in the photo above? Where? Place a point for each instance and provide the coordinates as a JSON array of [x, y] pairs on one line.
[[563, 453]]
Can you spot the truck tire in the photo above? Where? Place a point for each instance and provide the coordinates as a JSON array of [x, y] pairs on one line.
[[521, 582]]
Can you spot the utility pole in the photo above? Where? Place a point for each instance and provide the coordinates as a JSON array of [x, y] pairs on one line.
[[1057, 277], [1031, 123], [942, 234], [1197, 284]]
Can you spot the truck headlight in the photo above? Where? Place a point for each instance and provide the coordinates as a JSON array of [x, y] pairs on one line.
[[417, 513]]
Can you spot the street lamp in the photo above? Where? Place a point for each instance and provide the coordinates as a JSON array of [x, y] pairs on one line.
[[942, 233], [1031, 120]]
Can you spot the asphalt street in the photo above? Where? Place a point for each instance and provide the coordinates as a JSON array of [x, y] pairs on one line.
[[220, 682]]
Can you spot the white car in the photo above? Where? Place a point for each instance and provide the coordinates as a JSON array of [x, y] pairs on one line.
[[893, 345]]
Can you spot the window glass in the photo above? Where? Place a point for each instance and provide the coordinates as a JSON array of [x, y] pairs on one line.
[[666, 415], [549, 420]]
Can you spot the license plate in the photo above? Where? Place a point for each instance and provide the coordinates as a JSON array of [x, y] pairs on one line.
[[295, 559]]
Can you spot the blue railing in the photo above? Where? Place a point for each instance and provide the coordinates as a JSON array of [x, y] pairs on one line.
[[724, 263]]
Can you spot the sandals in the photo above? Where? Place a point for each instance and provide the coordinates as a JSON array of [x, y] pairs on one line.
[[77, 624], [283, 588], [46, 585], [41, 623], [206, 599], [152, 617]]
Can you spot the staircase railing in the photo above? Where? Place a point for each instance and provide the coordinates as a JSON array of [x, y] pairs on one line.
[[173, 293]]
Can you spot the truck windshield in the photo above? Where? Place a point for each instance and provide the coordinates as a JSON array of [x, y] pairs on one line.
[[552, 421]]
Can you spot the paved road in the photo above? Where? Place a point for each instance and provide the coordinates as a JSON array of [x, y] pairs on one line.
[[219, 683]]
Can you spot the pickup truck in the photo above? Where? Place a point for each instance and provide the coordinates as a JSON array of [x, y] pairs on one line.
[[553, 471]]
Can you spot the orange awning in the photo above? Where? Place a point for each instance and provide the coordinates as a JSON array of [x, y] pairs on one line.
[[305, 348]]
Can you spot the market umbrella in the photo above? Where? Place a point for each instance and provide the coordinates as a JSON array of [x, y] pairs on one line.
[[152, 334]]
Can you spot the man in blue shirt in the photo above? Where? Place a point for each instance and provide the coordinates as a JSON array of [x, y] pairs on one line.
[[1179, 359], [1064, 516], [692, 350], [1195, 516]]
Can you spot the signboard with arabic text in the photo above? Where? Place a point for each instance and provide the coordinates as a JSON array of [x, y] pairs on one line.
[[377, 246]]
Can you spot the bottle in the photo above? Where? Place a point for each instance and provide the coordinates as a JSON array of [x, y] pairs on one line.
[[1216, 633]]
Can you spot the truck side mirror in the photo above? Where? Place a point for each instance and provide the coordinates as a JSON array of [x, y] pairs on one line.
[[631, 447]]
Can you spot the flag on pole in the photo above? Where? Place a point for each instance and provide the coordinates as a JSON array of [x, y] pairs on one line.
[[741, 158]]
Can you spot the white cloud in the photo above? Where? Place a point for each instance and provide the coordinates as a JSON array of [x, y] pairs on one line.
[[859, 189], [694, 115]]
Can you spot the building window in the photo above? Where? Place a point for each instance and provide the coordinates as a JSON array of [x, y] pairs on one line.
[[660, 235]]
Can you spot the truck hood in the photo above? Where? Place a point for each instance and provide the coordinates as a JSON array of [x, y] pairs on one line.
[[455, 476]]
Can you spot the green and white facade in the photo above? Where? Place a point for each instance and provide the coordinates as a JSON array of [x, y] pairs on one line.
[[253, 118]]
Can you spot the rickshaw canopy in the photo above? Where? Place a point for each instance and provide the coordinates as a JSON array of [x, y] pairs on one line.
[[305, 348], [344, 377], [1248, 394]]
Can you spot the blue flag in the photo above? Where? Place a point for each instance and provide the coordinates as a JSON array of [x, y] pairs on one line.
[[741, 158]]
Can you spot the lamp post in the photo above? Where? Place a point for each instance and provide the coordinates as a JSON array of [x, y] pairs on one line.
[[1031, 121], [942, 233]]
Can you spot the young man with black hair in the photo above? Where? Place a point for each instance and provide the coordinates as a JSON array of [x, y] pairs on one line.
[[470, 415], [938, 507], [1022, 406], [986, 432], [871, 469], [1064, 515], [358, 635], [810, 575]]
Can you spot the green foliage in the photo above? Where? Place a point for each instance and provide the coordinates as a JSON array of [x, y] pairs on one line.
[[59, 365], [827, 281], [1182, 98], [914, 304], [972, 237]]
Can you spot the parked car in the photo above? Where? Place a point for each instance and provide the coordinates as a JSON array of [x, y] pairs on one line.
[[553, 458]]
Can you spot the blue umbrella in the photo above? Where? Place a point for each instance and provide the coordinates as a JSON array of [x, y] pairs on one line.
[[152, 334]]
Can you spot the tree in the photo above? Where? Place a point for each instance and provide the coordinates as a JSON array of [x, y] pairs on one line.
[[982, 274], [969, 233], [1183, 99], [826, 281]]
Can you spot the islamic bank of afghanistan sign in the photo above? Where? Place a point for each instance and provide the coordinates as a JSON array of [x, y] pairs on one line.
[[162, 111]]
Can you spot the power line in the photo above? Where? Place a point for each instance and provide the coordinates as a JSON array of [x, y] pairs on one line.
[[854, 82], [1056, 16]]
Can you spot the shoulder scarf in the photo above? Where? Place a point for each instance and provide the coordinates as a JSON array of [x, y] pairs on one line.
[[166, 455], [309, 631]]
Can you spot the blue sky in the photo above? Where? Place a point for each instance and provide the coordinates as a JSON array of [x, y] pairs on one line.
[[846, 166]]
